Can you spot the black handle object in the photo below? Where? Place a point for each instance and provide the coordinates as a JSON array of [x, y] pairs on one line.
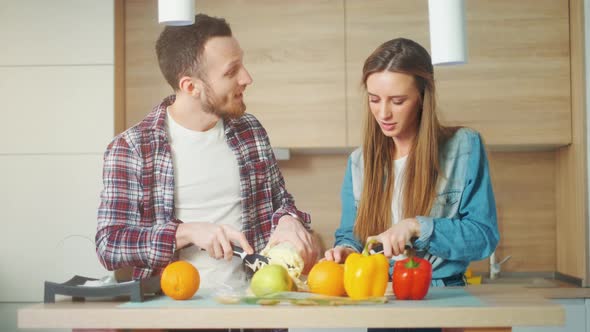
[[238, 251], [378, 248], [75, 288], [250, 260]]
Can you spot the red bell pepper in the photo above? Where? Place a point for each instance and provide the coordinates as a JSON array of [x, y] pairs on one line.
[[411, 278]]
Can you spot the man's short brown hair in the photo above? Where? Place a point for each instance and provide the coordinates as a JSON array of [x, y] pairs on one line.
[[180, 48]]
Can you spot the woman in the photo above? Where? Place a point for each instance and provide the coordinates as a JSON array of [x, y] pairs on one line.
[[415, 181]]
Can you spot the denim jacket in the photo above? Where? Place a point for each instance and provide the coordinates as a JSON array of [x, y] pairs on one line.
[[461, 226]]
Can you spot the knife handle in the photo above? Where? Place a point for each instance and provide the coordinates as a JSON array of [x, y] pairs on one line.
[[237, 251], [378, 248]]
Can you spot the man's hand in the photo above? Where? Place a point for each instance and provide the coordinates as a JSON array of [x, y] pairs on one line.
[[338, 254], [395, 238], [291, 230], [215, 238]]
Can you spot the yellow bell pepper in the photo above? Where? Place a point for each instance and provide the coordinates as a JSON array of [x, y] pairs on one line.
[[365, 275]]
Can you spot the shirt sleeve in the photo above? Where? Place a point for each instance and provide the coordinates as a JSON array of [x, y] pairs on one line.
[[122, 238], [345, 233], [473, 234]]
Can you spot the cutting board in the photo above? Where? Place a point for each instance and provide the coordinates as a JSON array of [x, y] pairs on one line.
[[437, 297]]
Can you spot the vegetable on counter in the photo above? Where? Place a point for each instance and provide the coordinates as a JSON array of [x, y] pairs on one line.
[[411, 278], [366, 276]]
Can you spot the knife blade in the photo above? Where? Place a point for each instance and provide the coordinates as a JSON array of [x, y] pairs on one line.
[[253, 261]]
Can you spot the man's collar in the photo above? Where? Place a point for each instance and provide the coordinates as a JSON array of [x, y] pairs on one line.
[[156, 120]]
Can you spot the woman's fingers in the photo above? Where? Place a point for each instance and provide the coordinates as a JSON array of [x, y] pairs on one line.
[[329, 255]]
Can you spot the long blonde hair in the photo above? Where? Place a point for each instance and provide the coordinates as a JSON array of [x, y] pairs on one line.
[[422, 166]]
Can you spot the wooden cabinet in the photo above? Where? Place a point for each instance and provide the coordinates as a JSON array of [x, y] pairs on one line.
[[368, 25], [571, 166], [306, 58], [515, 88], [293, 50]]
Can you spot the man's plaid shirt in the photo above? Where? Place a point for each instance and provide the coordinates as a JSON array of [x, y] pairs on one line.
[[136, 222]]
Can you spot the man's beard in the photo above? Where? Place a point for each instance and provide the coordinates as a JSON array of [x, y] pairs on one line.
[[219, 107]]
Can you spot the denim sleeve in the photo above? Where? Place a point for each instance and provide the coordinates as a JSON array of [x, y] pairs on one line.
[[344, 234], [473, 234]]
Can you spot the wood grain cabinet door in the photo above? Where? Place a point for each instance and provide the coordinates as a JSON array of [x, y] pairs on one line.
[[294, 51], [306, 57], [515, 88]]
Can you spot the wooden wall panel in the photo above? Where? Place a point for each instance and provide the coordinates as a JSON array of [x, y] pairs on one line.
[[315, 182], [368, 25], [120, 91], [524, 186], [515, 89], [572, 191], [145, 86], [294, 52], [306, 60]]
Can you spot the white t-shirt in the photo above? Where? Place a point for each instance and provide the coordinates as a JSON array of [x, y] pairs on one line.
[[207, 189], [397, 200]]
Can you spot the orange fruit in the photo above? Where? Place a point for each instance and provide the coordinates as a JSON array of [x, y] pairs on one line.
[[180, 280], [327, 278]]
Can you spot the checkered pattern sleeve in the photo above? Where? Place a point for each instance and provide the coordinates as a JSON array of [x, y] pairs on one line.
[[124, 237]]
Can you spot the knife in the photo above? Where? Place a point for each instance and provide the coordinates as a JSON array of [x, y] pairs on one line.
[[378, 248], [252, 261]]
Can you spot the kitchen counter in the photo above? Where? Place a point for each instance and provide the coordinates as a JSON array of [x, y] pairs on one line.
[[542, 283], [562, 292], [475, 307]]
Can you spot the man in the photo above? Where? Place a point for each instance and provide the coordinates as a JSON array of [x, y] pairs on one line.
[[198, 173]]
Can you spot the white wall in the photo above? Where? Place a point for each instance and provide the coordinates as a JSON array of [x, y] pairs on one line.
[[56, 90]]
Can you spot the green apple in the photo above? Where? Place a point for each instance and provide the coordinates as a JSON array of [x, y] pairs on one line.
[[270, 279]]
